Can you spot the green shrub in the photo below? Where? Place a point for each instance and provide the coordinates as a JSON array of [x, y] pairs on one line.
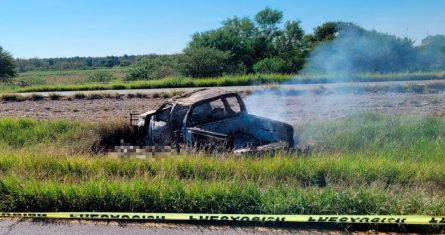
[[101, 76], [270, 65], [203, 62], [152, 68]]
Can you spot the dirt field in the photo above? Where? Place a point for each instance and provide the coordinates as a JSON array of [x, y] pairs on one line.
[[89, 110], [293, 109], [300, 109]]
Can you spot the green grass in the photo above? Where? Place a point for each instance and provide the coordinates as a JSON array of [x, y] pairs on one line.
[[430, 87], [363, 164], [65, 137], [415, 137], [88, 96], [171, 82], [318, 170], [78, 80], [61, 78], [64, 77], [369, 77], [209, 197]]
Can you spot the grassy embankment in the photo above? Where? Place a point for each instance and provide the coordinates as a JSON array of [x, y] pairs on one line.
[[430, 87], [368, 164], [78, 80], [14, 97]]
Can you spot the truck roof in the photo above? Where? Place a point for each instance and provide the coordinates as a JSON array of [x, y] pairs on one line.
[[190, 98]]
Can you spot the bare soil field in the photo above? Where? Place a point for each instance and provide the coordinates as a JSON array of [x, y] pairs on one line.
[[82, 110], [309, 108], [293, 109]]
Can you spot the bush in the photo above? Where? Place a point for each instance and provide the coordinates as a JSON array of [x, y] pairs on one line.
[[79, 96], [54, 96], [12, 97], [204, 62], [101, 76], [152, 68], [270, 65], [36, 97]]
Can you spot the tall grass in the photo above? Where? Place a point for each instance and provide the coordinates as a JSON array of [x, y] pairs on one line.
[[420, 136], [364, 164], [368, 77], [27, 132], [317, 170], [78, 80], [171, 82], [62, 77], [71, 136], [210, 197], [368, 133]]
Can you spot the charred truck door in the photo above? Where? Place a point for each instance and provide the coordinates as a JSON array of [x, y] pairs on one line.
[[212, 111]]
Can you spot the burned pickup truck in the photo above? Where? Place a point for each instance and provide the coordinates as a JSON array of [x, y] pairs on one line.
[[210, 120]]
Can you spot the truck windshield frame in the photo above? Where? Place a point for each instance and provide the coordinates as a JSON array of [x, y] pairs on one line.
[[215, 109]]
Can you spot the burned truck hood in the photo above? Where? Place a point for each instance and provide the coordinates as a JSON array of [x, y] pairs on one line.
[[144, 115], [247, 132]]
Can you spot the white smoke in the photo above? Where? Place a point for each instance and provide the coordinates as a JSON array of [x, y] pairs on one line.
[[352, 51], [269, 103], [358, 50]]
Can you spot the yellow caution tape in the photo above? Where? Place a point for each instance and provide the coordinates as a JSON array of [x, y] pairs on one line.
[[371, 219]]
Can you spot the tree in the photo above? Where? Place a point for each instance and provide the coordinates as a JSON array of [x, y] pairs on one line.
[[7, 65], [291, 47], [357, 50], [268, 21], [432, 53], [203, 62], [236, 36], [329, 31], [326, 31], [249, 42]]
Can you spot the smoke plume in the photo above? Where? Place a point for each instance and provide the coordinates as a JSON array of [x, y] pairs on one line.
[[354, 50]]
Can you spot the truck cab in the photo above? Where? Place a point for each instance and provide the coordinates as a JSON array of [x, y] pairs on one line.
[[214, 120]]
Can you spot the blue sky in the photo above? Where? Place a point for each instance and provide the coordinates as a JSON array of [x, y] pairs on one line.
[[65, 28]]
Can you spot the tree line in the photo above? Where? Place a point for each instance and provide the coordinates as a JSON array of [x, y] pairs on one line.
[[33, 64], [266, 44]]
